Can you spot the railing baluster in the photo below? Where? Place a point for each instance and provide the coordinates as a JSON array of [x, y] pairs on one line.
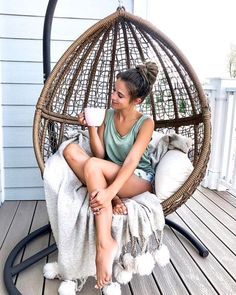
[[222, 165], [228, 176]]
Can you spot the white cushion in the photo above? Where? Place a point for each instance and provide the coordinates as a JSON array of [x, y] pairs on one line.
[[171, 172]]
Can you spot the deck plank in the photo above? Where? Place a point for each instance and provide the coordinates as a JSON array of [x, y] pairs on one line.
[[7, 213], [216, 211], [144, 285], [30, 281], [169, 281], [191, 275], [51, 286], [220, 202], [214, 271], [19, 228], [220, 251], [224, 195], [125, 290], [211, 219]]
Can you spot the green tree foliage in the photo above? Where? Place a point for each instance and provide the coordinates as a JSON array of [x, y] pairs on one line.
[[182, 106]]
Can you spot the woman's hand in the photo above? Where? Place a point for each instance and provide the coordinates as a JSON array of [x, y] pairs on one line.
[[100, 199], [81, 119]]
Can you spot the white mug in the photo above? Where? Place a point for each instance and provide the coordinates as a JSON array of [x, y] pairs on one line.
[[94, 116]]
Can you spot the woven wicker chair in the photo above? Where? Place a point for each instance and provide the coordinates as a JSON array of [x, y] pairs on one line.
[[85, 74]]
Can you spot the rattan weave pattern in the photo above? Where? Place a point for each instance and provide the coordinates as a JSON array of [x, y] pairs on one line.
[[85, 74]]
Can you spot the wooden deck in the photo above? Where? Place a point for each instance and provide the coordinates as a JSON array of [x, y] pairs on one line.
[[208, 214]]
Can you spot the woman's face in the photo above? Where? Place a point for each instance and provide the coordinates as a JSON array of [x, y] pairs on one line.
[[120, 98]]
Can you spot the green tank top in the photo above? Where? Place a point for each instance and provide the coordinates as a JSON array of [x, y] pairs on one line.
[[117, 147]]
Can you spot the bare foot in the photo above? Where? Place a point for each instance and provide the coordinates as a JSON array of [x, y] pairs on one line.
[[118, 207], [104, 261]]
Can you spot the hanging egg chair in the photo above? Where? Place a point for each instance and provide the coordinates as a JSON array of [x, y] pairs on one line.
[[85, 75]]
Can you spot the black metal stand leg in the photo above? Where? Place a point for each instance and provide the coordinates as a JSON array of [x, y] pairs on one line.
[[10, 271], [201, 249]]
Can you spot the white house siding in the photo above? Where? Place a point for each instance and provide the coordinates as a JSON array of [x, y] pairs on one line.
[[21, 27]]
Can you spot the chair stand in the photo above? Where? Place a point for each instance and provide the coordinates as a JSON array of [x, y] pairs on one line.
[[10, 270], [203, 252]]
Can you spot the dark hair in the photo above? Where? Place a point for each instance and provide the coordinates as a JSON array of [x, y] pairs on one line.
[[140, 80]]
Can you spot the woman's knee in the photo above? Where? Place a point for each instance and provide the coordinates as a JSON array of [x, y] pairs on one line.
[[71, 151], [91, 166]]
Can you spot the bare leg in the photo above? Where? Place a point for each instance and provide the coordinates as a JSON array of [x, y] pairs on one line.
[[97, 174], [106, 246], [76, 158]]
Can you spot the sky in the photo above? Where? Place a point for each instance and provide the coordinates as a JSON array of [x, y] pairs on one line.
[[204, 30]]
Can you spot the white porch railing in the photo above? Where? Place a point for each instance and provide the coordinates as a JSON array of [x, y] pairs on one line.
[[221, 173]]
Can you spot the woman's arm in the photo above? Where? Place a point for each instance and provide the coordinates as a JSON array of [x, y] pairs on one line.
[[95, 137], [133, 157], [96, 141]]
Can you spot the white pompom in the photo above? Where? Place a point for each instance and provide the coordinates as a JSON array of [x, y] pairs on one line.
[[122, 275], [112, 289], [67, 288], [51, 270], [144, 264], [162, 255], [128, 262]]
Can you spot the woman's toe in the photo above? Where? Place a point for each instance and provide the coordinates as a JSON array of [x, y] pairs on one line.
[[107, 280], [104, 283], [124, 210]]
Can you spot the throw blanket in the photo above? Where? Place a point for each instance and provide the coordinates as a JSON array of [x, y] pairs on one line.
[[73, 223]]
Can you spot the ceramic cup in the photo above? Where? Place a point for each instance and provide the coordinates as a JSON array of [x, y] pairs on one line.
[[94, 116]]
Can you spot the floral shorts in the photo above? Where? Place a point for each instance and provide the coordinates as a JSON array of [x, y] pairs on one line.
[[144, 175]]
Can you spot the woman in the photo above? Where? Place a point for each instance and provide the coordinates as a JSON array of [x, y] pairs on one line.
[[120, 166]]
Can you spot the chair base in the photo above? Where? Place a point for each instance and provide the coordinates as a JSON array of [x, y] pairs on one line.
[[203, 252], [10, 270]]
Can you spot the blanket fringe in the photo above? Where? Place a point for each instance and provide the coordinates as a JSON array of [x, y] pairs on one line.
[[139, 256], [80, 283]]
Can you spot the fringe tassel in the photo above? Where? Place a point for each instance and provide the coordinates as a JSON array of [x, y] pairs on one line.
[[122, 275], [51, 271], [80, 283], [112, 289], [162, 256], [67, 288], [144, 264]]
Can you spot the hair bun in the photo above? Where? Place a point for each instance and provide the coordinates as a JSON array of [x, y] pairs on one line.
[[149, 71]]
